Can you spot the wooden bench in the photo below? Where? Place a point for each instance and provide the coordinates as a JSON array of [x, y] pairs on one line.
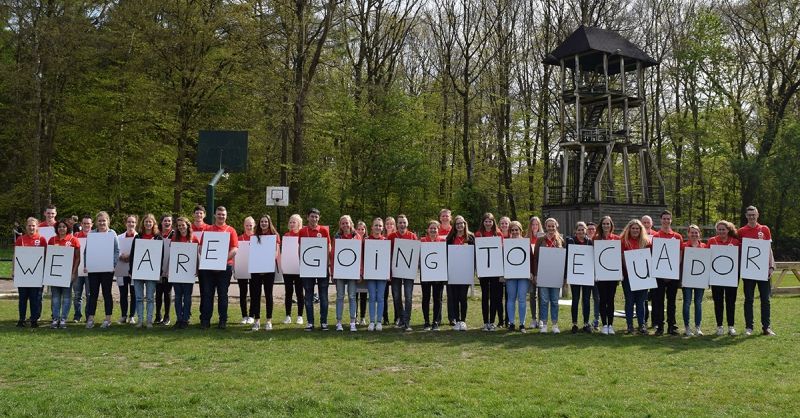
[[785, 267]]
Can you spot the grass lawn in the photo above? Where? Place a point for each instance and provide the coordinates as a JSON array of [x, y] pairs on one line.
[[126, 371]]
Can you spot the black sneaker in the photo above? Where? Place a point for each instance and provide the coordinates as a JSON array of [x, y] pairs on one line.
[[643, 330], [629, 331], [659, 331], [673, 330], [309, 327], [166, 321], [21, 324], [574, 329], [34, 324], [511, 327], [587, 329], [522, 329], [205, 324], [158, 320], [222, 325]]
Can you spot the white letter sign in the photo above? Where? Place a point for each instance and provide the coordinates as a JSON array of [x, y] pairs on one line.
[[517, 258], [580, 265], [489, 256], [262, 254], [724, 266], [433, 261], [666, 258], [755, 259], [377, 259], [696, 267], [460, 264], [28, 266], [347, 259], [405, 258], [608, 260], [551, 267], [640, 272], [146, 261], [100, 252], [241, 261], [183, 262], [214, 251], [290, 255], [314, 257], [58, 266]]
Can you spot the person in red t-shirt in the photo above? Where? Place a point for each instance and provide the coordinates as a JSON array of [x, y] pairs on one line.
[[548, 296], [694, 236], [503, 224], [267, 280], [49, 216], [647, 222], [292, 282], [755, 230], [724, 297], [402, 289], [217, 281], [60, 296], [668, 288], [445, 217], [434, 289], [199, 224], [145, 289], [457, 307], [164, 287], [315, 230], [491, 288], [376, 287], [30, 295], [345, 286], [183, 291], [633, 238]]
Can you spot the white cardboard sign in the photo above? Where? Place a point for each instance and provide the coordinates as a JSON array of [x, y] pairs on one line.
[[377, 259], [608, 260], [82, 264], [517, 258], [580, 265], [666, 258], [58, 266], [696, 267], [290, 255], [262, 254], [640, 272], [347, 259], [146, 261], [214, 251], [123, 267], [433, 261], [28, 266], [241, 261], [314, 257], [405, 258], [550, 272], [724, 266], [460, 264], [755, 259], [47, 232], [489, 256], [183, 262], [100, 252], [165, 252]]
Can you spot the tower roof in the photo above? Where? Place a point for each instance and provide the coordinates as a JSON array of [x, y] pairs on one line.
[[591, 43]]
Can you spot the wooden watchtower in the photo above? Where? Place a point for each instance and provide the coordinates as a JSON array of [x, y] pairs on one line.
[[603, 165]]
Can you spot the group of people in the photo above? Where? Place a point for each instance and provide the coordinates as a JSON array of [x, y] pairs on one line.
[[503, 301]]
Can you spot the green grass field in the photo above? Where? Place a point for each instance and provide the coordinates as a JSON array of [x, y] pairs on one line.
[[126, 371]]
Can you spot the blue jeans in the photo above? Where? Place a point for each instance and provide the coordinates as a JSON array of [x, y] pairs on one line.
[[322, 286], [402, 292], [548, 298], [145, 290], [517, 295], [211, 282], [690, 295], [34, 296], [634, 299], [341, 286], [376, 301], [60, 298], [183, 300], [77, 292]]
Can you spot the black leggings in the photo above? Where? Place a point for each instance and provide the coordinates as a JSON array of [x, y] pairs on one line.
[[607, 291], [96, 280], [292, 284], [460, 303], [163, 294], [256, 280], [244, 284], [491, 298], [362, 304], [125, 290], [724, 299], [432, 289], [580, 294], [386, 305]]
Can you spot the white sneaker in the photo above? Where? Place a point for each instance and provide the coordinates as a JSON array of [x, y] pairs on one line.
[[62, 324], [363, 322], [748, 331], [534, 324], [731, 331], [339, 326], [244, 321], [604, 331], [542, 327], [251, 320], [457, 326], [463, 326], [132, 320], [720, 331], [610, 330], [371, 326], [89, 323], [378, 327], [149, 324], [123, 320], [698, 332], [353, 327], [288, 320], [485, 327], [106, 323], [54, 324], [556, 330], [300, 320], [268, 326], [256, 326], [688, 331]]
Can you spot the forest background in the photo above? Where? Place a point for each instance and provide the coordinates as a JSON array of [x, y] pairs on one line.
[[377, 107]]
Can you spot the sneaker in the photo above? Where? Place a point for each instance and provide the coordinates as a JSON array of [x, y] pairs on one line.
[[244, 320], [556, 330], [720, 331], [378, 327], [610, 330], [463, 326], [409, 329], [371, 326], [511, 327], [54, 324], [492, 328], [485, 327], [595, 324], [748, 331], [542, 327], [522, 329], [362, 322], [268, 326], [288, 320], [574, 328], [630, 331], [643, 330], [21, 324], [659, 332], [76, 319], [222, 325], [309, 327], [339, 327], [132, 320], [731, 331], [587, 329], [435, 326], [604, 331], [299, 320], [324, 327], [256, 326], [768, 331], [672, 330], [688, 331], [158, 320], [166, 321], [698, 332], [149, 324], [205, 324], [34, 324], [251, 320], [106, 323], [123, 320], [427, 327], [535, 324]]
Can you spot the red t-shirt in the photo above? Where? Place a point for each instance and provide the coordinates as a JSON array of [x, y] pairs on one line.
[[488, 234], [80, 234], [318, 232], [757, 232], [438, 238], [379, 237], [68, 241], [444, 231], [687, 244], [233, 242], [201, 227], [34, 240], [632, 244], [407, 235], [128, 234], [610, 237], [244, 237], [668, 235], [459, 240], [165, 234], [717, 241], [190, 239], [147, 236], [44, 224]]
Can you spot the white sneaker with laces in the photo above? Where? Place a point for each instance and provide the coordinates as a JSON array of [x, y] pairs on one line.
[[54, 324], [542, 327], [556, 330], [353, 327], [339, 326], [688, 331], [62, 324], [731, 331], [604, 331], [698, 332], [378, 326], [244, 321], [371, 326], [268, 326], [300, 320], [720, 331], [463, 326], [256, 326], [748, 331], [610, 330], [288, 320]]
